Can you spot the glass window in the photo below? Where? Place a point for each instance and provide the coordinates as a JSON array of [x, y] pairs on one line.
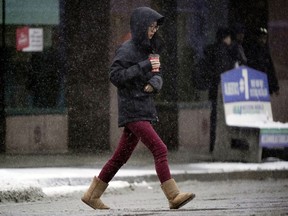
[[34, 78], [44, 12]]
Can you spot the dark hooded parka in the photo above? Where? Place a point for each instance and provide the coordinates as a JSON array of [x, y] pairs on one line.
[[131, 69]]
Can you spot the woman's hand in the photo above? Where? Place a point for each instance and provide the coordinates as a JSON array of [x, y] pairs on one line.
[[155, 62], [155, 65], [148, 88]]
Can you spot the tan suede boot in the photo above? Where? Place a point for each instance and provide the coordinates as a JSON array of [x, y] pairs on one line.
[[175, 198], [93, 194]]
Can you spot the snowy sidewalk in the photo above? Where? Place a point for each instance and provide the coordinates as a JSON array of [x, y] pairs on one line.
[[77, 176], [48, 181]]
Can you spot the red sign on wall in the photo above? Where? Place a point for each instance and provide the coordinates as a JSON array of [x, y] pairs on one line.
[[22, 38], [29, 39]]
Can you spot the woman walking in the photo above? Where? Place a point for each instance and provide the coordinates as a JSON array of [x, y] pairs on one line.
[[138, 77]]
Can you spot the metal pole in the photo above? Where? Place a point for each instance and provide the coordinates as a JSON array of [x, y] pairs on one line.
[[2, 81]]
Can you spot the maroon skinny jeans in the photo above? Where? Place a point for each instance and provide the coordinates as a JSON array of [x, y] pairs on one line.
[[132, 133]]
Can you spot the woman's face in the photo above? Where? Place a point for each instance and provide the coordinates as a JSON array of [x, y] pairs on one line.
[[227, 40], [152, 29]]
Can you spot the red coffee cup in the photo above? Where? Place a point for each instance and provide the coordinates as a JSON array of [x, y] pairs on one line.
[[154, 57]]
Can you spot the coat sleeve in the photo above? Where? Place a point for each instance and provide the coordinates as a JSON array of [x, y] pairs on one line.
[[156, 81], [223, 61], [122, 70]]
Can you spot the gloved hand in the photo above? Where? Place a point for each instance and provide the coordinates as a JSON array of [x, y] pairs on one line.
[[148, 88]]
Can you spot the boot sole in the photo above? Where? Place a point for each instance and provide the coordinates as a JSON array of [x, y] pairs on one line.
[[185, 202], [88, 204], [93, 206]]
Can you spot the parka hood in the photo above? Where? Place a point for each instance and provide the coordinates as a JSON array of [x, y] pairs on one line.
[[141, 19]]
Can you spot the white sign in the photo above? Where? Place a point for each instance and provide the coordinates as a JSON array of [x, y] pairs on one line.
[[246, 96], [35, 40], [247, 104]]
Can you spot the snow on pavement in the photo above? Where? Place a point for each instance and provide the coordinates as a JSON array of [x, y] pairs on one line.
[[66, 180]]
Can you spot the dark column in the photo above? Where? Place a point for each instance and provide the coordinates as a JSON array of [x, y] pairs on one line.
[[87, 41], [2, 101], [167, 106], [2, 83]]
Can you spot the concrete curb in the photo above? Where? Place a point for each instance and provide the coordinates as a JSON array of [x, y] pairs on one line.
[[224, 176]]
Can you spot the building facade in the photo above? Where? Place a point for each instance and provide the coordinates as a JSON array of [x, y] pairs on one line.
[[55, 91]]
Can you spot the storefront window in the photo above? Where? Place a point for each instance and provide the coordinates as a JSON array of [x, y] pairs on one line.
[[34, 68]]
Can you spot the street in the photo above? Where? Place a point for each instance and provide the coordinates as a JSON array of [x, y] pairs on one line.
[[245, 197]]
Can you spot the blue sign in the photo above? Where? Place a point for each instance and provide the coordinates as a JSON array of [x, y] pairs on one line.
[[274, 137], [244, 84], [246, 101]]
